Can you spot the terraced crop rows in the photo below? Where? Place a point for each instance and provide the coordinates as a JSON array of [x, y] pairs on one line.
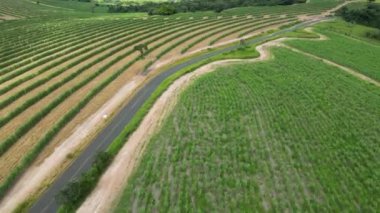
[[289, 134], [50, 82]]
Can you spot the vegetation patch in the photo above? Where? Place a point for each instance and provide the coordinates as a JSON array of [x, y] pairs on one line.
[[356, 54], [291, 133], [369, 15], [172, 7], [352, 30]]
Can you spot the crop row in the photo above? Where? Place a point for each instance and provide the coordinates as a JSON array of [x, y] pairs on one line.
[[115, 41], [252, 26], [104, 46], [24, 128], [50, 47], [38, 34], [47, 54], [25, 69], [222, 23], [35, 99], [211, 34], [232, 24], [62, 50]]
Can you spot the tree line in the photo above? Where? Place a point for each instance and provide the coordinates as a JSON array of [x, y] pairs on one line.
[[368, 15], [172, 7]]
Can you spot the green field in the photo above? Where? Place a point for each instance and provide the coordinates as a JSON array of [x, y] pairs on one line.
[[292, 134], [289, 134], [59, 63], [349, 29], [355, 53]]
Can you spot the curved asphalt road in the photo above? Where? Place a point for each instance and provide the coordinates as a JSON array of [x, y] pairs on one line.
[[47, 202]]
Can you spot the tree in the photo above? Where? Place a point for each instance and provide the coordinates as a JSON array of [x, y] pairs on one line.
[[243, 43], [142, 48]]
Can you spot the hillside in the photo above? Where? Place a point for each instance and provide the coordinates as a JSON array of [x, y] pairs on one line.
[[68, 69]]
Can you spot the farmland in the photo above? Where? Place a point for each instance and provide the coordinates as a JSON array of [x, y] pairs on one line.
[[64, 63], [292, 133], [51, 82], [357, 56]]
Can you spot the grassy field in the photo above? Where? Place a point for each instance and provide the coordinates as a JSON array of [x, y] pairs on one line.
[[289, 134], [351, 30], [59, 66], [351, 51]]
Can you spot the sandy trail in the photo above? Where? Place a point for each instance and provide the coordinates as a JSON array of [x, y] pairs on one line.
[[113, 181], [7, 17]]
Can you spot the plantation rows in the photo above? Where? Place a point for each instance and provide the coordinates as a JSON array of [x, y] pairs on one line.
[[25, 9], [50, 82], [18, 8], [291, 133]]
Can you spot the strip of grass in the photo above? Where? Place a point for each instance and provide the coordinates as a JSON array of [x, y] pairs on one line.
[[292, 133]]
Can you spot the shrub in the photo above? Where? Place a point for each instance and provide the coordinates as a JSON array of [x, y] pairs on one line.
[[373, 35], [74, 192], [369, 15]]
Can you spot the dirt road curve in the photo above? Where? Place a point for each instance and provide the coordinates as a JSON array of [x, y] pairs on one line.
[[111, 184]]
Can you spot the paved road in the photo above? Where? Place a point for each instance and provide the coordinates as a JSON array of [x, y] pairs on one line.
[[47, 202]]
